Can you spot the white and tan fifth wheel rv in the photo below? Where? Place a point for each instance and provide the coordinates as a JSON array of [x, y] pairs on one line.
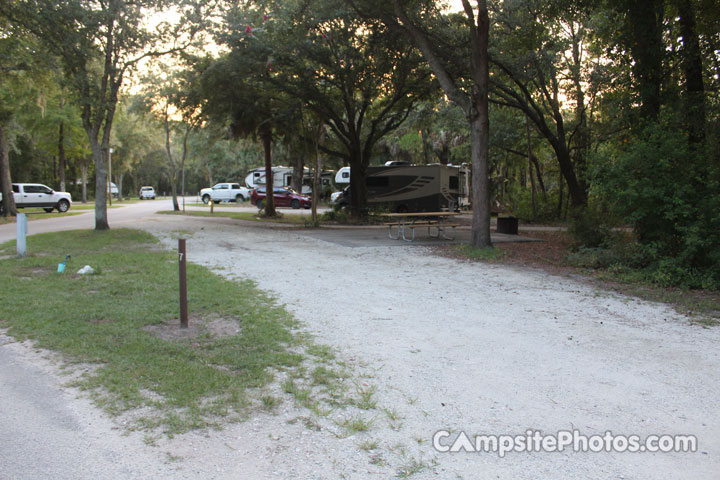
[[413, 188]]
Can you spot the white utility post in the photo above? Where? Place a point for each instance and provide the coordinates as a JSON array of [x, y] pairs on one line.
[[21, 235]]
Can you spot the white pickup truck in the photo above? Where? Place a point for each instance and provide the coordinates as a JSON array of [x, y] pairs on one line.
[[225, 192], [35, 195]]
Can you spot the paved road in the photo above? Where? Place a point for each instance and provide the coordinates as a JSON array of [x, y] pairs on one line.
[[141, 213], [126, 216], [45, 433]]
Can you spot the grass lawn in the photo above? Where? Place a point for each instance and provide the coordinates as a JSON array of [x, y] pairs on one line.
[[123, 321]]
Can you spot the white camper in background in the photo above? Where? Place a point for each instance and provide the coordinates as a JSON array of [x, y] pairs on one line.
[[282, 177]]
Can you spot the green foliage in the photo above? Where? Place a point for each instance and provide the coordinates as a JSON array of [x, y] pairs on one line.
[[339, 215], [592, 226], [670, 193], [546, 206]]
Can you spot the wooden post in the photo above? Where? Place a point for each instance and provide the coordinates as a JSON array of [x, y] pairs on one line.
[[183, 284]]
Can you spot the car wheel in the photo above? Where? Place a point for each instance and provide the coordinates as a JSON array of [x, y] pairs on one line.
[[48, 210], [63, 206], [295, 204], [206, 199], [239, 199], [260, 204]]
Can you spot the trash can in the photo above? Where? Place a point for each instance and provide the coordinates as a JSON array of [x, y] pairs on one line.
[[507, 225]]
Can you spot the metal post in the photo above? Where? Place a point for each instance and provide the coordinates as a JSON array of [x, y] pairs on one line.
[[183, 284], [20, 242]]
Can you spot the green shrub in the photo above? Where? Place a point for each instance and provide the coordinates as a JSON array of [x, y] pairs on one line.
[[669, 191], [546, 206]]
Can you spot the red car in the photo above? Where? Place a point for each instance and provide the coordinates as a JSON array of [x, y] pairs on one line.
[[282, 196]]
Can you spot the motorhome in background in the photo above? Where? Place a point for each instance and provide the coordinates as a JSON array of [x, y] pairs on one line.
[[282, 177], [411, 188]]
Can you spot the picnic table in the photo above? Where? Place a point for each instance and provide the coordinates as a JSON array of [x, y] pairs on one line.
[[441, 222]]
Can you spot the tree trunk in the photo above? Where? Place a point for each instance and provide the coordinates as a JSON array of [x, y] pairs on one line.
[[693, 67], [83, 175], [647, 48], [171, 161], [443, 153], [61, 155], [119, 179], [211, 178], [425, 142], [173, 190], [479, 137], [535, 162], [479, 119], [358, 188], [581, 138], [100, 159], [8, 199], [560, 195], [316, 178], [298, 164], [530, 169], [266, 136]]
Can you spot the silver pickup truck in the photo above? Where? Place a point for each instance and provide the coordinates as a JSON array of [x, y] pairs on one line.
[[35, 195]]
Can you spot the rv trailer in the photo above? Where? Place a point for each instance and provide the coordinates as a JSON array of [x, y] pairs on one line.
[[414, 188], [282, 177], [343, 176]]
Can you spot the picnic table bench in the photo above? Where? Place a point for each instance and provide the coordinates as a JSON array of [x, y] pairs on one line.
[[438, 221]]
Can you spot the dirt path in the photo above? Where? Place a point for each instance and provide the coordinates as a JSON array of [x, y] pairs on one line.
[[462, 347]]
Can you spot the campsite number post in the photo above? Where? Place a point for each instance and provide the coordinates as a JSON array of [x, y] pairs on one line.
[[183, 284]]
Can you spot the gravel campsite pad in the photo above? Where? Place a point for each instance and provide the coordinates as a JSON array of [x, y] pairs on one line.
[[436, 344], [456, 346]]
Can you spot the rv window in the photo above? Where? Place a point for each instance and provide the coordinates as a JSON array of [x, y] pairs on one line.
[[345, 174], [454, 183], [377, 181]]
